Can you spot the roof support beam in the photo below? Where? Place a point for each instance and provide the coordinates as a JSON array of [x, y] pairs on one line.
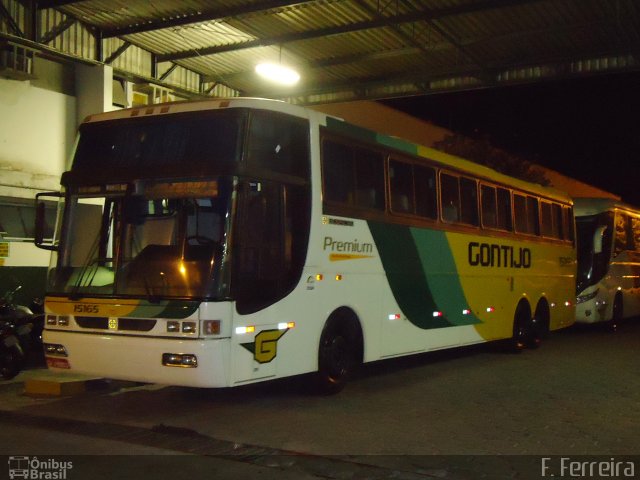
[[168, 72], [353, 27], [13, 26], [57, 30], [207, 16], [44, 4], [119, 51]]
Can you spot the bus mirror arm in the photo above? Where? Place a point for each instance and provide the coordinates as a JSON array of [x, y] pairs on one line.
[[598, 238], [41, 221]]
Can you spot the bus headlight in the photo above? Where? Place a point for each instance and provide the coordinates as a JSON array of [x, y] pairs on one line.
[[587, 297], [55, 349], [184, 360]]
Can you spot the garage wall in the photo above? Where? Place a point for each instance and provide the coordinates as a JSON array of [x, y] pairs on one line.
[[37, 132], [37, 135]]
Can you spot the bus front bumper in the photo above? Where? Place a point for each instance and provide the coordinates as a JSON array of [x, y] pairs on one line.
[[140, 359]]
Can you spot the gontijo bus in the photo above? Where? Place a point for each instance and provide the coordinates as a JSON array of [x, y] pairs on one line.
[[225, 242], [608, 282]]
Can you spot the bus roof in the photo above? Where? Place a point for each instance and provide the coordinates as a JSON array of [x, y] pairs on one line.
[[338, 125], [591, 206]]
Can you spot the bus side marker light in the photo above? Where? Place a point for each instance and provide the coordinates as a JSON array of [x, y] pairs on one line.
[[567, 303], [338, 277], [247, 329], [437, 314], [211, 327], [319, 277], [286, 325], [466, 311], [394, 316], [491, 309]]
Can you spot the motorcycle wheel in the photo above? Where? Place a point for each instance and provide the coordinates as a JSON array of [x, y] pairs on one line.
[[11, 361]]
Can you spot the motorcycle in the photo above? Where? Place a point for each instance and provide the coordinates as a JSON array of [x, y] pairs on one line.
[[20, 334]]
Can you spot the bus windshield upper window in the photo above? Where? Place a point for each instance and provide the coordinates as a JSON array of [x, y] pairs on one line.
[[156, 146], [279, 143]]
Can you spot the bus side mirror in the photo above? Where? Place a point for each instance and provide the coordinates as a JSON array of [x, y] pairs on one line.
[[41, 221], [598, 239]]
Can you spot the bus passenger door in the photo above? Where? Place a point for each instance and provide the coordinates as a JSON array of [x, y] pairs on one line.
[[269, 249]]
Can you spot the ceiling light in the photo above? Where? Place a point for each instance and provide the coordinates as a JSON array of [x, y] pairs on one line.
[[278, 73]]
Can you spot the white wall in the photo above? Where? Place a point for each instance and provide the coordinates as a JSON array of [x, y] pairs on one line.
[[37, 134]]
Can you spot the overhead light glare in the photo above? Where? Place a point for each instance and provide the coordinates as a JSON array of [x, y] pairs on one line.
[[278, 73]]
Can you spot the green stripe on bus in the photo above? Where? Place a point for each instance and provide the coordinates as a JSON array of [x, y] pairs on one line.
[[442, 275], [352, 131], [397, 144], [422, 275], [401, 262]]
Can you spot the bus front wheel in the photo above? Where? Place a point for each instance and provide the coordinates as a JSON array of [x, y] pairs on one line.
[[338, 355], [616, 315], [524, 329]]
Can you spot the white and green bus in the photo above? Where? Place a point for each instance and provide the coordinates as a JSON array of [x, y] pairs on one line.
[[608, 281], [226, 242]]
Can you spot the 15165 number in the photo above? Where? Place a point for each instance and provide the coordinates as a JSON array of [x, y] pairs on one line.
[[85, 308]]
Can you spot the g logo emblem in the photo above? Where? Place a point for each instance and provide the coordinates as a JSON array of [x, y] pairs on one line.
[[265, 345]]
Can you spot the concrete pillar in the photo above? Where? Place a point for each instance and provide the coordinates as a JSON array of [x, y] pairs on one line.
[[94, 90]]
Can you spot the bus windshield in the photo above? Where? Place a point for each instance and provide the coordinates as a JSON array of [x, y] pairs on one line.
[[592, 266], [167, 241]]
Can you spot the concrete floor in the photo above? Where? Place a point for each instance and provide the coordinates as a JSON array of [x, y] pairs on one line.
[[579, 394]]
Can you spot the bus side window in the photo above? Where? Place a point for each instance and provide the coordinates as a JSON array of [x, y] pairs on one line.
[[424, 179], [369, 174], [520, 213], [635, 231], [546, 219], [401, 186], [533, 216], [469, 201], [504, 209], [622, 234], [567, 223], [337, 172], [489, 206], [449, 198], [556, 229]]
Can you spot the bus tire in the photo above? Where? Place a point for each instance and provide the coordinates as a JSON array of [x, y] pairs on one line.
[[522, 325], [616, 315], [339, 353], [539, 325]]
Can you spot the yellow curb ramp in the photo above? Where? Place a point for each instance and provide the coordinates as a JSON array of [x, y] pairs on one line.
[[58, 386]]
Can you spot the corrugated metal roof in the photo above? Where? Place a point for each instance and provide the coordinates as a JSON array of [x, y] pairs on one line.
[[351, 49]]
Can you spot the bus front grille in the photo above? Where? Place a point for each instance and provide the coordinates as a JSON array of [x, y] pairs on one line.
[[123, 324]]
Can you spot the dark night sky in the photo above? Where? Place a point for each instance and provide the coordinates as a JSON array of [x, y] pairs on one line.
[[588, 128]]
